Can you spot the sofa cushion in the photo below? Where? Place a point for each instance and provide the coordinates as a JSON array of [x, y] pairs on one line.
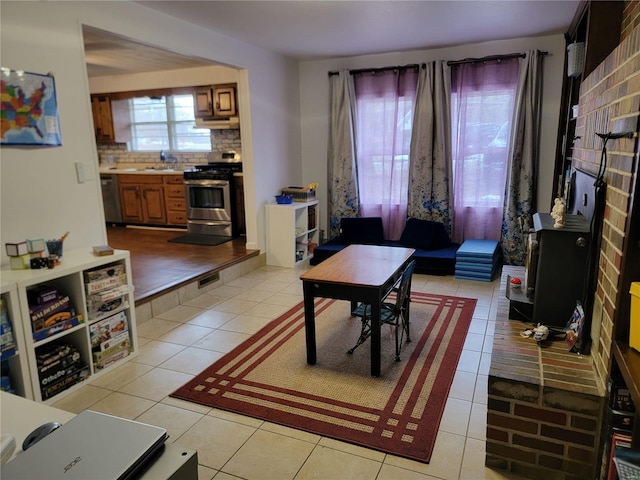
[[424, 235], [362, 230]]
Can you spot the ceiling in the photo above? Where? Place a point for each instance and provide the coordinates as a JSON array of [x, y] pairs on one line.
[[311, 29]]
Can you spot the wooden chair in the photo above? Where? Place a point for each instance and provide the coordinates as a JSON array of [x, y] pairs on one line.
[[394, 314]]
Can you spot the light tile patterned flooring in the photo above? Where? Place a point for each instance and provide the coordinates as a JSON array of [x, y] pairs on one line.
[[179, 343]]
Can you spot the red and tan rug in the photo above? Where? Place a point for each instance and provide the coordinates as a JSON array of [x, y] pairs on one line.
[[267, 376]]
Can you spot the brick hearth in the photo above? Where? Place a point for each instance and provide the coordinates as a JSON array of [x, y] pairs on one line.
[[545, 404]]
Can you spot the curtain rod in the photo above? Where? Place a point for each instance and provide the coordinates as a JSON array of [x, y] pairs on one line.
[[454, 62], [374, 70], [490, 58]]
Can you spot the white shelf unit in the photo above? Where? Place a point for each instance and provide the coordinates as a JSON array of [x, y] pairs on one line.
[[15, 367], [290, 229], [67, 278]]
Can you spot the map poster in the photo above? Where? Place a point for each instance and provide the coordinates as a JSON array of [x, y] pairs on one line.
[[29, 114]]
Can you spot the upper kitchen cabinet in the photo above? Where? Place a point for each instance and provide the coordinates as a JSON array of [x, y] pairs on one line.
[[110, 118], [102, 118], [215, 101]]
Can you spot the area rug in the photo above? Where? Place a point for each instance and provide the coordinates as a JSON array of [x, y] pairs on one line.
[[267, 376], [199, 239]]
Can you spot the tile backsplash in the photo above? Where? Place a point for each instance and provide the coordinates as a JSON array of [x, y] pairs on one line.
[[221, 140]]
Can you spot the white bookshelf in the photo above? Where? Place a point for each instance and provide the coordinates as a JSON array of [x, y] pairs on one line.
[[67, 278], [290, 229]]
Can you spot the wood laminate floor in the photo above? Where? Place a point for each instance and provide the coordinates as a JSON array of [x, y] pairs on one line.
[[158, 266]]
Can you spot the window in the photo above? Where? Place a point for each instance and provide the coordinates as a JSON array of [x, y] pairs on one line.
[[166, 123], [482, 102], [384, 118]]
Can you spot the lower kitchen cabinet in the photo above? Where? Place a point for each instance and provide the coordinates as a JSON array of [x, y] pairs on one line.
[[70, 323], [142, 199], [175, 200]]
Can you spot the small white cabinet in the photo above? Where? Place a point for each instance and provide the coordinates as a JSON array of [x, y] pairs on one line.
[[101, 330], [291, 230]]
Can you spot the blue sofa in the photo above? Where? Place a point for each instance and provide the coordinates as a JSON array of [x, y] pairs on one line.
[[435, 253]]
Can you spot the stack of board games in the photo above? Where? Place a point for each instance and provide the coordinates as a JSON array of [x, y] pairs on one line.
[[107, 302], [107, 292], [7, 342], [105, 278], [60, 366], [51, 312], [110, 340]]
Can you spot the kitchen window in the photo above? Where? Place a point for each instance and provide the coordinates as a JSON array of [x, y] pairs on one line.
[[166, 123]]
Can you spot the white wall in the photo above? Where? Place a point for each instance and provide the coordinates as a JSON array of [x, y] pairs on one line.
[[314, 102], [40, 196]]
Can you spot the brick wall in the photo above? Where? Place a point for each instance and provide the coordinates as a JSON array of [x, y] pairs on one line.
[[631, 17], [544, 408], [610, 101]]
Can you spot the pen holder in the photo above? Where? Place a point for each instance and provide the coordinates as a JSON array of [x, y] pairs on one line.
[[55, 247]]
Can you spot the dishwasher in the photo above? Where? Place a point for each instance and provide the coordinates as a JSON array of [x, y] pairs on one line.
[[111, 198]]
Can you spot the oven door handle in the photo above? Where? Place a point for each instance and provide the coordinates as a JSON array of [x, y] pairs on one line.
[[207, 183]]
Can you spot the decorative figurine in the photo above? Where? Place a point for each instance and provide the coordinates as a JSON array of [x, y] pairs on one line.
[[558, 213]]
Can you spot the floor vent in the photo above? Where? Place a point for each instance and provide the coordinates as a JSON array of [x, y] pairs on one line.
[[203, 282]]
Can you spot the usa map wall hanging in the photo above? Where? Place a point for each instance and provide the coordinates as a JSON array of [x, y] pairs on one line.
[[29, 114]]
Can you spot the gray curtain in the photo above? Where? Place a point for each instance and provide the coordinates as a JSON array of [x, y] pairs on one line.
[[341, 153], [523, 160], [430, 178]]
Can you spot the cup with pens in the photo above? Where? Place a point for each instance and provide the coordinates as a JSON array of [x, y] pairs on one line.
[[55, 250]]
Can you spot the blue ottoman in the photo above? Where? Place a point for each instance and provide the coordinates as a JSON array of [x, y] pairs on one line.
[[478, 260]]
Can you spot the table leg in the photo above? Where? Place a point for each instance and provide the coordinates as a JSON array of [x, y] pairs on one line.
[[354, 305], [309, 322], [375, 338], [407, 306]]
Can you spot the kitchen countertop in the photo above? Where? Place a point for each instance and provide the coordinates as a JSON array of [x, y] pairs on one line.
[[140, 171], [147, 171]]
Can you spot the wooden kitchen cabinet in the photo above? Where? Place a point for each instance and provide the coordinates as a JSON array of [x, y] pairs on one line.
[[102, 118], [175, 200], [142, 199], [215, 101]]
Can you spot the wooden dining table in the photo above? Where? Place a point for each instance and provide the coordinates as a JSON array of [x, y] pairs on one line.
[[358, 273]]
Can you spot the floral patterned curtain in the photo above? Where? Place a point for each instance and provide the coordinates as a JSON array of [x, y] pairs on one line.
[[523, 158], [430, 176], [341, 153]]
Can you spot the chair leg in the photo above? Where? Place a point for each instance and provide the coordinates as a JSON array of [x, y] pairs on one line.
[[402, 325], [398, 340], [365, 333]]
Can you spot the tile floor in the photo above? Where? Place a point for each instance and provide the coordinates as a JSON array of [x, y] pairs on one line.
[[181, 342]]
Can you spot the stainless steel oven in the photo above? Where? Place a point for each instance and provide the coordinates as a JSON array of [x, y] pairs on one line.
[[209, 196], [208, 206]]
